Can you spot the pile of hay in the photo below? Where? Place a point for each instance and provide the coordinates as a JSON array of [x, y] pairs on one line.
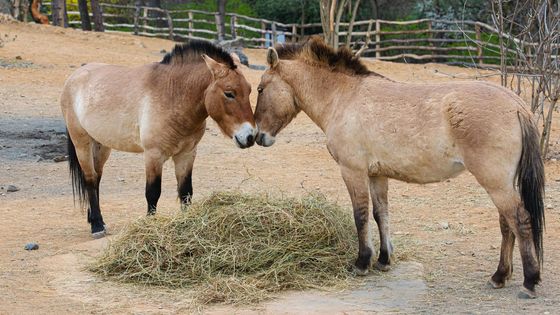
[[233, 248]]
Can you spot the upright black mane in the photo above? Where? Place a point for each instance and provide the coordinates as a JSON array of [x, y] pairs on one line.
[[316, 51], [193, 50]]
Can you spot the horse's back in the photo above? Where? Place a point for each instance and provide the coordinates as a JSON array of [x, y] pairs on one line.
[[429, 132]]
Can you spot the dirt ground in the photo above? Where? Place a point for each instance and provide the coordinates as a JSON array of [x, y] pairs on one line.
[[449, 231]]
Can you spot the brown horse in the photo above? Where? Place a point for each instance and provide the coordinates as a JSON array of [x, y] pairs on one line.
[[377, 129], [159, 110]]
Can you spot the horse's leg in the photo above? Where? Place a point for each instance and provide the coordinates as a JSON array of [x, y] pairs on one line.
[[378, 190], [518, 221], [183, 172], [356, 182], [505, 267], [100, 155], [153, 159], [496, 175], [83, 147]]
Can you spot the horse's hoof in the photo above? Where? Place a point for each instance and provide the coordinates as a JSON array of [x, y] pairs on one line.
[[360, 272], [98, 235], [495, 285], [381, 267], [526, 294]]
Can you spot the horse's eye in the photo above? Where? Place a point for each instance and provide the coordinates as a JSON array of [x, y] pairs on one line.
[[229, 95], [260, 89]]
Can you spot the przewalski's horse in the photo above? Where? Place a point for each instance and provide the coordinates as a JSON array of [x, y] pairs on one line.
[[419, 133], [159, 110]]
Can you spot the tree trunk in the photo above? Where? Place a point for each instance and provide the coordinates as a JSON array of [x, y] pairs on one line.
[[15, 9], [97, 16], [24, 5], [325, 7], [222, 19], [58, 12], [84, 15], [156, 14], [351, 24]]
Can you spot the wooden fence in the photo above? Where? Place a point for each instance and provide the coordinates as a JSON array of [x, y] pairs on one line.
[[412, 41]]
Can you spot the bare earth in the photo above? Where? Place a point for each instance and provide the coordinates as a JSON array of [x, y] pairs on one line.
[[447, 234]]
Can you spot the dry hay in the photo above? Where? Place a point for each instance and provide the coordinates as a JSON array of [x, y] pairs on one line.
[[237, 248]]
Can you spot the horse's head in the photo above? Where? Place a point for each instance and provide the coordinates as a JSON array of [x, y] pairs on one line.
[[227, 102], [276, 106]]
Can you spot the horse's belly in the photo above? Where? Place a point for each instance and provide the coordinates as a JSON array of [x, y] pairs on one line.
[[118, 134], [419, 171]]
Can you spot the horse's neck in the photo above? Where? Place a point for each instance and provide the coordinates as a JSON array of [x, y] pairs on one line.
[[182, 89], [318, 91]]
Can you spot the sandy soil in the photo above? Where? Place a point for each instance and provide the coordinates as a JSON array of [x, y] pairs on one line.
[[454, 262]]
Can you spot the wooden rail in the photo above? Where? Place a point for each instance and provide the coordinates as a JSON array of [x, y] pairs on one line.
[[450, 41]]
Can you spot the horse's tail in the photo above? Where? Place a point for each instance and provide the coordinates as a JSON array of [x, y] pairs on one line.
[[76, 173], [530, 180]]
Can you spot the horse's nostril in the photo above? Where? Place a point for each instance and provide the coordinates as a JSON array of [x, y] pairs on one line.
[[260, 137], [250, 139]]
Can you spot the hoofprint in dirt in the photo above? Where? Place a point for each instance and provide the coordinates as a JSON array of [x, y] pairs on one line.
[[450, 228]]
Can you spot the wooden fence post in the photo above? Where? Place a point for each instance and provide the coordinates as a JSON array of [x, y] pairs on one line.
[[169, 24], [191, 23], [273, 33], [145, 16], [232, 26], [431, 36], [218, 28], [478, 45], [368, 32], [377, 38], [263, 33], [294, 33]]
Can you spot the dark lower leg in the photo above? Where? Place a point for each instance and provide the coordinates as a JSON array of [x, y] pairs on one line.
[[505, 267], [385, 247], [531, 266], [185, 190], [94, 213], [153, 192], [361, 217]]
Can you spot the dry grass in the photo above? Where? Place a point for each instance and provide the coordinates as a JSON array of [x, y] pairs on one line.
[[236, 248]]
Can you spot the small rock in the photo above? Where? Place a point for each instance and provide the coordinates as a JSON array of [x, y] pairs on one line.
[[12, 188], [120, 179], [31, 246], [18, 57], [444, 225], [163, 51], [61, 158], [549, 206]]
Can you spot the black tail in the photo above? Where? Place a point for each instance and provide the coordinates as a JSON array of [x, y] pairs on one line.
[[530, 180], [76, 174]]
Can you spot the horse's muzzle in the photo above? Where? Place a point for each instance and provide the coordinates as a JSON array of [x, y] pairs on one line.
[[245, 136], [264, 139]]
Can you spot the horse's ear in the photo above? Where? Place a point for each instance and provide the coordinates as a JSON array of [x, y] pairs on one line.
[[217, 69], [272, 57], [235, 58]]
